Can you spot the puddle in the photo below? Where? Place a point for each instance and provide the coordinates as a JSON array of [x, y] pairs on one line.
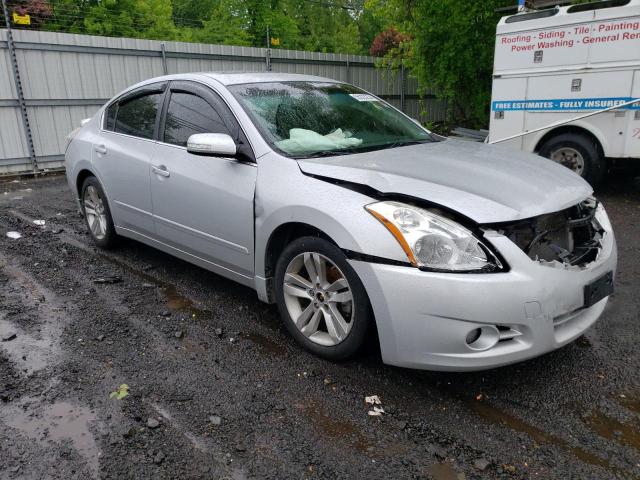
[[265, 344], [612, 429], [175, 301], [344, 430], [28, 353], [444, 471], [32, 351], [499, 417], [59, 422]]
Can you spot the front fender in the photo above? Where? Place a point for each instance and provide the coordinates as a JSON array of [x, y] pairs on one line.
[[285, 195]]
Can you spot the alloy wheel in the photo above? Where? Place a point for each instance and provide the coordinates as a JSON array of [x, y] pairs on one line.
[[94, 212], [318, 299]]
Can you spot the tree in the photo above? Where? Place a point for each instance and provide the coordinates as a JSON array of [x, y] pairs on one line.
[[155, 17], [67, 16], [131, 18], [318, 25], [450, 51], [193, 13], [327, 27], [226, 25], [369, 26], [387, 42]]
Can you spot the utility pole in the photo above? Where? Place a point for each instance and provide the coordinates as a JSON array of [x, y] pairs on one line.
[[18, 85]]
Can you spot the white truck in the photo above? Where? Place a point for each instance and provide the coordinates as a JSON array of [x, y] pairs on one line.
[[575, 70]]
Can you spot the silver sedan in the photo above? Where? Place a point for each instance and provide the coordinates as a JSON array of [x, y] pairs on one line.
[[350, 216]]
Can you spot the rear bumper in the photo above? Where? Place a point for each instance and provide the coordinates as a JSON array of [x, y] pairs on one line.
[[423, 318]]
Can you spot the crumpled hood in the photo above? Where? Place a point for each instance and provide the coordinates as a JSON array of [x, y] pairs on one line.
[[485, 183]]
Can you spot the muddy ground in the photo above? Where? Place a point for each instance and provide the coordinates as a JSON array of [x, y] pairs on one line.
[[217, 389]]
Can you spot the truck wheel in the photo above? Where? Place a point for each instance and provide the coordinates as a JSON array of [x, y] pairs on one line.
[[577, 152]]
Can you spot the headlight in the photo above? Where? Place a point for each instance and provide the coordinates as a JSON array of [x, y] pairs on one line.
[[432, 241], [602, 217]]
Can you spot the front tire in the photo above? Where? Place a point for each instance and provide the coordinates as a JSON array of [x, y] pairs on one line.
[[97, 214], [578, 153], [321, 299]]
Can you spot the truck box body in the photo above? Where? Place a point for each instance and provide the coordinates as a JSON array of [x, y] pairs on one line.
[[556, 64]]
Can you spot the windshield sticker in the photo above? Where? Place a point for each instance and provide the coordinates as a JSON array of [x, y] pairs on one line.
[[363, 97]]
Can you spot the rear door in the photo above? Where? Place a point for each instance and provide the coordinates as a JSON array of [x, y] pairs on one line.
[[203, 205], [122, 156]]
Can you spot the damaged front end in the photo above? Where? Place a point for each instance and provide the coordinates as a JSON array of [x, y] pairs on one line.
[[570, 238]]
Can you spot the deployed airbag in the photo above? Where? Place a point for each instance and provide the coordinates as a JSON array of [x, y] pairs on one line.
[[305, 141]]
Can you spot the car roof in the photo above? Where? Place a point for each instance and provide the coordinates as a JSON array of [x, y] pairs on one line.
[[259, 77], [230, 79]]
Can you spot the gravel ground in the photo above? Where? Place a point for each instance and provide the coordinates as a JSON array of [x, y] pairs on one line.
[[217, 389]]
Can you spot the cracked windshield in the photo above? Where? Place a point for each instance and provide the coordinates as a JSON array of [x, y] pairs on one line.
[[308, 119]]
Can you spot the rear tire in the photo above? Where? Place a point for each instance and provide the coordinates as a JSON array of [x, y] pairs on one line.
[[577, 152], [97, 215], [328, 314]]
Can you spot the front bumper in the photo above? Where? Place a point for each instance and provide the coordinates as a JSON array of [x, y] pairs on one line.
[[423, 318]]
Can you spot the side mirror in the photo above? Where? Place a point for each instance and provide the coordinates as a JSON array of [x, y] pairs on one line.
[[214, 144]]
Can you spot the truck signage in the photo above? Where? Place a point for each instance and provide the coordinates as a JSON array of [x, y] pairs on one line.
[[563, 104]]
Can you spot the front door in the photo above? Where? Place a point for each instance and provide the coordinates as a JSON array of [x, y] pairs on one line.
[[202, 205]]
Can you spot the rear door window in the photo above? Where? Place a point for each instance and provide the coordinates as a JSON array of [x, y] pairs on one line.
[[138, 116], [188, 114]]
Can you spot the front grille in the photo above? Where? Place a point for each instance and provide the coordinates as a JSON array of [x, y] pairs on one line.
[[570, 237]]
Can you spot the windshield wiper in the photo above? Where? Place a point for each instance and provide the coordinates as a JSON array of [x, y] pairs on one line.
[[329, 153], [404, 144], [361, 149]]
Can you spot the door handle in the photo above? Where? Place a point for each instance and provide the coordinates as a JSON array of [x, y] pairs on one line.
[[160, 170], [100, 149]]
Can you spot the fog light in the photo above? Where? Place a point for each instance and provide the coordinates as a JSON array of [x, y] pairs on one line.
[[473, 335], [483, 338]]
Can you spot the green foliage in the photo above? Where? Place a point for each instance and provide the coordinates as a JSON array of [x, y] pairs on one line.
[[320, 25], [450, 51], [131, 18], [226, 26], [323, 29], [192, 13]]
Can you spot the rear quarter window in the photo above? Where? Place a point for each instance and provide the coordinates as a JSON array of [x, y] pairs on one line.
[[110, 117]]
